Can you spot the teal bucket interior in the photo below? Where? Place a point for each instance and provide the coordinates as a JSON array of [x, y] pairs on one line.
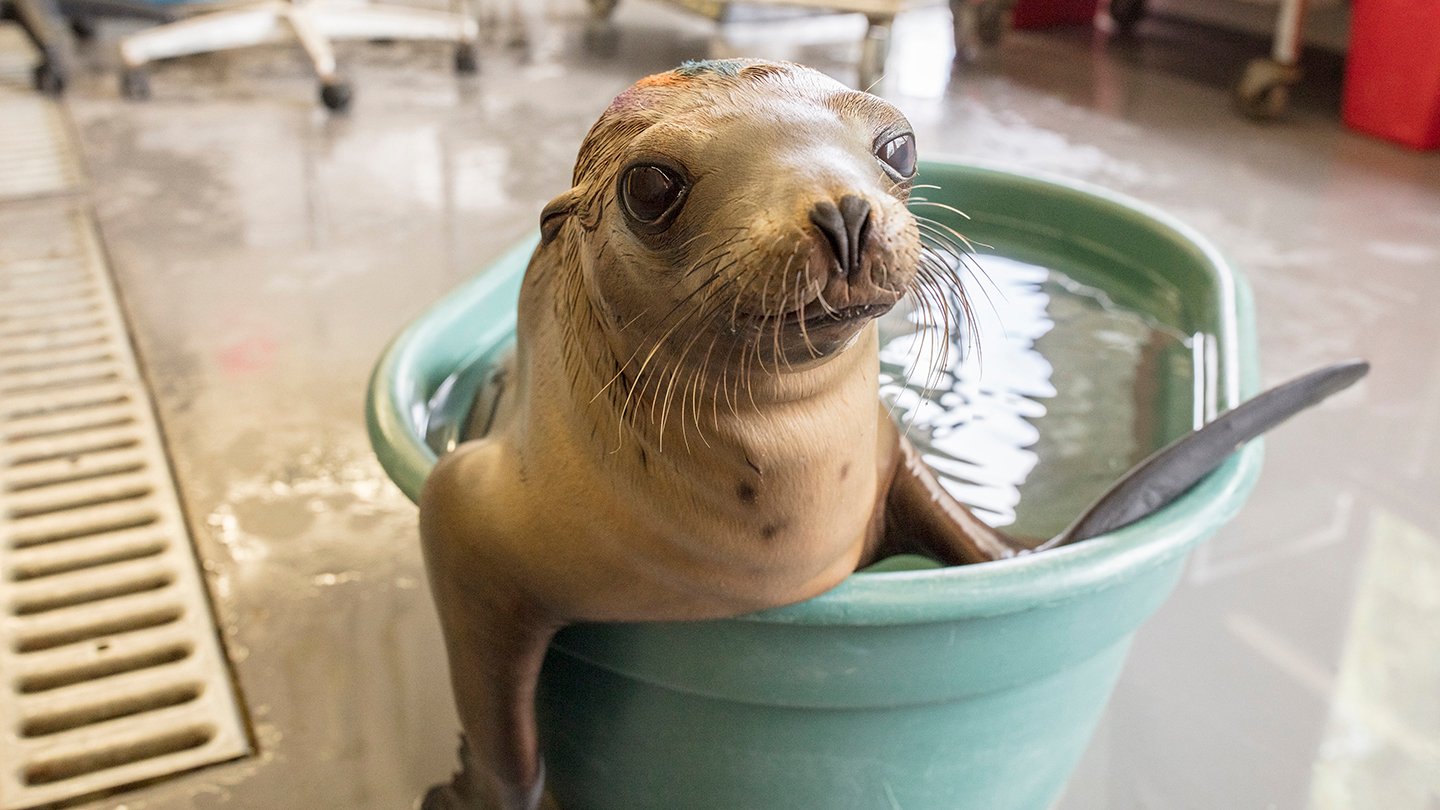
[[975, 686]]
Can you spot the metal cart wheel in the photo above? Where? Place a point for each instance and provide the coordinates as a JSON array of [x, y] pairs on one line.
[[49, 79], [467, 59], [1127, 14], [602, 9], [336, 95], [1263, 92]]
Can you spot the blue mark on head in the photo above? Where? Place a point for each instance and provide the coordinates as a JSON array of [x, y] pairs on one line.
[[723, 67]]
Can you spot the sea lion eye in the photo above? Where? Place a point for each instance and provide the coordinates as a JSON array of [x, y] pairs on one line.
[[899, 154], [651, 192]]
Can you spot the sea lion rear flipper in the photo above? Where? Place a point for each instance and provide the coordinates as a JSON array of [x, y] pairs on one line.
[[922, 518]]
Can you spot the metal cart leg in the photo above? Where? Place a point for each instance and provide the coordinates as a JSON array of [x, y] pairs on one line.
[[41, 21], [978, 24], [1263, 92], [875, 50]]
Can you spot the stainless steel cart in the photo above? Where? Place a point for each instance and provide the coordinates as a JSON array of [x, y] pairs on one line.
[[975, 20]]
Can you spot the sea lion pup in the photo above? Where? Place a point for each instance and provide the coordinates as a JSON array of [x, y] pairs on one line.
[[691, 428]]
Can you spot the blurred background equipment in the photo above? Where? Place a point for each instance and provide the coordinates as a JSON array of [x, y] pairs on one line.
[[42, 23], [973, 19], [314, 23], [1263, 90]]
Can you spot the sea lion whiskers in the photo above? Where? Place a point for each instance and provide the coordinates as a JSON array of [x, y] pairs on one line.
[[695, 379], [930, 304], [804, 329], [781, 310], [709, 232], [948, 258], [960, 249], [640, 345], [641, 380], [825, 305], [942, 269], [673, 365], [943, 240], [948, 285], [662, 339], [963, 248], [950, 208], [935, 296], [699, 315], [754, 352]]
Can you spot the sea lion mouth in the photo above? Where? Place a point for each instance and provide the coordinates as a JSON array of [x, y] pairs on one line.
[[826, 317]]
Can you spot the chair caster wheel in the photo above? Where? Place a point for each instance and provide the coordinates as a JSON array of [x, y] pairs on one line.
[[48, 80], [1263, 92], [336, 96], [135, 84], [467, 58]]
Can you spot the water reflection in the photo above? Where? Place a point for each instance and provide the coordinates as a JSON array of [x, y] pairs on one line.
[[1045, 399], [1380, 746]]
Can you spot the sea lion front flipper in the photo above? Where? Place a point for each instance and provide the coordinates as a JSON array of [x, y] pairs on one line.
[[922, 518], [1170, 472], [495, 638], [495, 654]]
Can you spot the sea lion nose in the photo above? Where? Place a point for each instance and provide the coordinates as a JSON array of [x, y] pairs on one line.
[[845, 227]]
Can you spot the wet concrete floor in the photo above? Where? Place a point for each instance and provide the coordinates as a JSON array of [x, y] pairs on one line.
[[267, 252]]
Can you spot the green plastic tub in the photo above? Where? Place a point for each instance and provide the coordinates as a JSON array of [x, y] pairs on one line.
[[967, 687]]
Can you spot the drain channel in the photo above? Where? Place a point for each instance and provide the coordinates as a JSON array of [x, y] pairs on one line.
[[110, 668], [36, 154]]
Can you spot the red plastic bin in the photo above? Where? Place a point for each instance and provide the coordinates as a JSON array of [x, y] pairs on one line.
[[1392, 72], [1045, 13]]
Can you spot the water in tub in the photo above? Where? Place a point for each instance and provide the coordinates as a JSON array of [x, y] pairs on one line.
[[1044, 399]]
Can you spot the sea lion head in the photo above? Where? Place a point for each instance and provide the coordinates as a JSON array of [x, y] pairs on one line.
[[741, 204]]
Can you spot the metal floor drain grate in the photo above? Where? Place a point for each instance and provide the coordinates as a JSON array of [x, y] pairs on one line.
[[111, 672], [17, 60], [36, 157]]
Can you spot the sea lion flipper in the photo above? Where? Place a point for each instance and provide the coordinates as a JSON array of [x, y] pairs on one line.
[[922, 518], [495, 657], [495, 638], [1170, 472]]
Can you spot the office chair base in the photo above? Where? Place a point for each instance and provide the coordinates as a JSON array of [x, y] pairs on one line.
[[314, 24]]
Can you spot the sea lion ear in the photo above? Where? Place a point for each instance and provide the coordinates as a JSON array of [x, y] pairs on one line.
[[555, 213]]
